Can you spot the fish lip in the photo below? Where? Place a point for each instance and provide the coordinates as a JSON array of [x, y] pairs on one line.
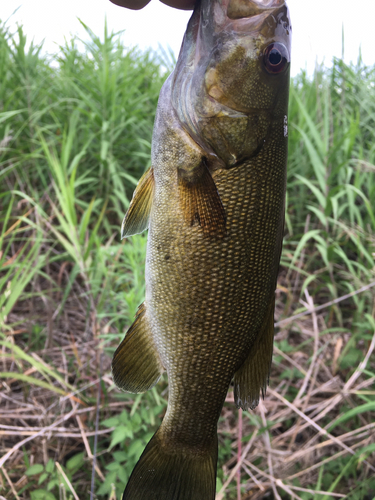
[[240, 9], [238, 16], [247, 9]]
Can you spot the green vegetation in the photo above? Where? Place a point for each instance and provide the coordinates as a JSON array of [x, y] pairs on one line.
[[75, 134]]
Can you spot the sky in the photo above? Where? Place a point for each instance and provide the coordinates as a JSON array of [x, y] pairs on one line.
[[317, 26]]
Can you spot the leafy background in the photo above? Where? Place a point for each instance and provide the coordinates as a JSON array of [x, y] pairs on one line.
[[75, 131]]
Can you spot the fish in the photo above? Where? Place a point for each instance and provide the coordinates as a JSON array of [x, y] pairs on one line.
[[213, 202]]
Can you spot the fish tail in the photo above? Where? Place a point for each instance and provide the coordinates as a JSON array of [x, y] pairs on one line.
[[164, 473]]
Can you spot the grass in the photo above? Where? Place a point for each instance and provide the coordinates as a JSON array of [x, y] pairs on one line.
[[75, 135]]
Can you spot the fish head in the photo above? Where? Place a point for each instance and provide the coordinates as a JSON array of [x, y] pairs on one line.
[[231, 81]]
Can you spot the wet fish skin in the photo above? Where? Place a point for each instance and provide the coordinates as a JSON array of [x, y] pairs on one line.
[[214, 205]]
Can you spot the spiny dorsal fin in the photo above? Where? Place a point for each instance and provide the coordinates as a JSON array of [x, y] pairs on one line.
[[200, 200], [136, 365], [137, 217]]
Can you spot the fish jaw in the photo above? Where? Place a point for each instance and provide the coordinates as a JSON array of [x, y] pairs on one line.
[[221, 87]]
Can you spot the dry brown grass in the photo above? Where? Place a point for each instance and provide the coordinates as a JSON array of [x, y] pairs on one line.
[[286, 438], [299, 449]]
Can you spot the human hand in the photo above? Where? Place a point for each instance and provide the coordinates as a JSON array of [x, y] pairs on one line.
[[139, 4]]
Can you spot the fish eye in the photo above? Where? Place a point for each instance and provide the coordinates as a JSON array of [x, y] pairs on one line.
[[276, 57]]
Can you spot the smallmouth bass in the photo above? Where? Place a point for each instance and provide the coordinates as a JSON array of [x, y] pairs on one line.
[[213, 202]]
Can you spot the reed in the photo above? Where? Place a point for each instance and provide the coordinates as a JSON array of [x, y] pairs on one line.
[[75, 132]]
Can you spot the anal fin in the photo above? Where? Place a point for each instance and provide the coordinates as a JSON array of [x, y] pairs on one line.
[[200, 200], [137, 217], [253, 376], [136, 365]]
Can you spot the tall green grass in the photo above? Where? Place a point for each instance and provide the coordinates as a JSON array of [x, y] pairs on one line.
[[75, 132]]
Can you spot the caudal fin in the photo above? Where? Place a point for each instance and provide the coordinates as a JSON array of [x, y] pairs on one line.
[[173, 474]]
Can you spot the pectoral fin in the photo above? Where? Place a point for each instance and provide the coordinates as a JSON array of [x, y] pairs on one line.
[[136, 366], [253, 376], [200, 200], [138, 214]]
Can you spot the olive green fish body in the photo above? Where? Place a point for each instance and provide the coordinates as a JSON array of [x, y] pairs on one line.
[[214, 205], [207, 298]]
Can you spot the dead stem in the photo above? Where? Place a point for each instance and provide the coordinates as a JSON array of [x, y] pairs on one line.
[[282, 452], [324, 306]]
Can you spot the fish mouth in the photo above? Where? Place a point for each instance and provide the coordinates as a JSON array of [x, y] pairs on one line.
[[239, 9], [238, 16]]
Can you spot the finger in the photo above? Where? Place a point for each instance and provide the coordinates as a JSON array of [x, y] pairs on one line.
[[131, 4], [180, 4]]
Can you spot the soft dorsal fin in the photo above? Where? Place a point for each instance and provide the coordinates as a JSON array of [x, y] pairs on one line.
[[137, 217], [252, 378]]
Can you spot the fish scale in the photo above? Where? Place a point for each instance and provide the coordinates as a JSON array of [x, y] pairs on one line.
[[214, 264], [213, 202]]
